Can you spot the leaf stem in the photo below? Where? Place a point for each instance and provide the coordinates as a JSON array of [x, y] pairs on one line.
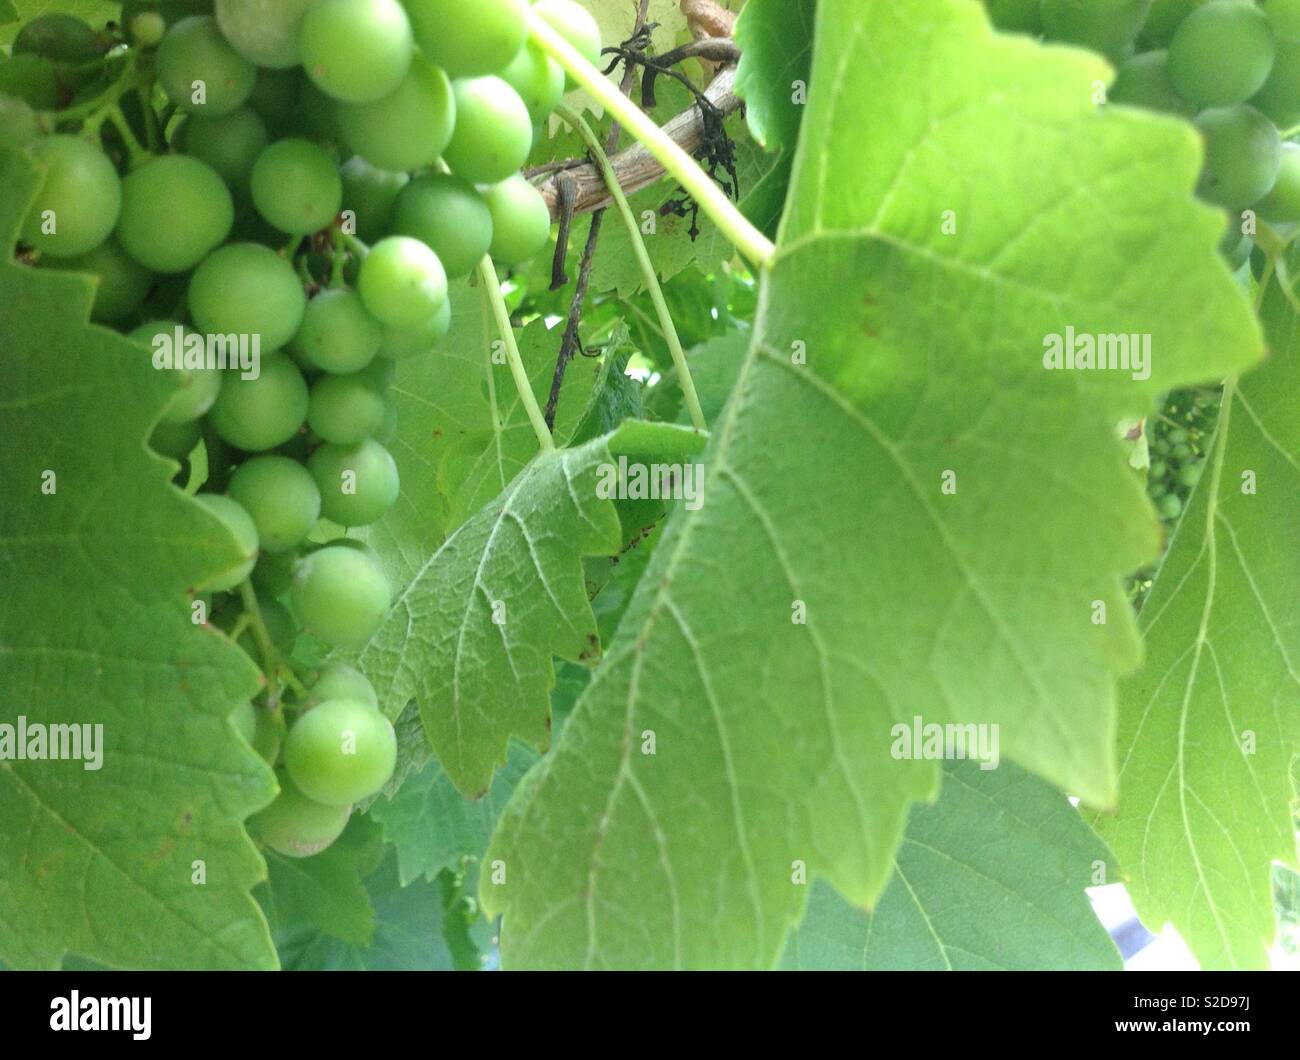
[[266, 648], [491, 285], [692, 399], [730, 221]]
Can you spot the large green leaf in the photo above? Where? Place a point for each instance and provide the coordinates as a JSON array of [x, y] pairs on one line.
[[776, 38], [992, 876], [924, 355], [472, 636], [143, 862], [1209, 726]]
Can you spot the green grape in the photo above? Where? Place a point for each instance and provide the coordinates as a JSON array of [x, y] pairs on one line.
[[1016, 16], [264, 32], [521, 220], [575, 24], [340, 595], [1177, 436], [408, 128], [469, 43], [1243, 153], [1158, 470], [1284, 17], [240, 525], [147, 28], [282, 498], [199, 385], [358, 483], [402, 282], [121, 284], [318, 114], [1282, 204], [268, 733], [1170, 506], [1143, 81], [175, 440], [175, 211], [296, 186], [1165, 18], [19, 126], [340, 751], [273, 575], [1181, 452], [31, 79], [294, 825], [449, 216], [1279, 99], [494, 133], [401, 343], [79, 201], [1221, 54], [370, 193], [378, 375], [259, 414], [1106, 26], [200, 71], [229, 144], [1160, 447], [1235, 246], [344, 409], [60, 37], [275, 99], [538, 79], [356, 50], [247, 289], [1190, 474], [338, 334], [340, 681]]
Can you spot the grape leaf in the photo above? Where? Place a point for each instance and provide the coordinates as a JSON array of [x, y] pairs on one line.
[[472, 636], [143, 862], [990, 877], [410, 932], [924, 351], [775, 38], [326, 891], [1209, 726]]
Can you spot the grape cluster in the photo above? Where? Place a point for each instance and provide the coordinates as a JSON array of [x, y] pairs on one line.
[[1232, 67], [305, 176], [1178, 442]]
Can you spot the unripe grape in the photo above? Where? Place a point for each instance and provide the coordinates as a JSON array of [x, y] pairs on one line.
[[358, 483], [296, 186], [282, 498], [449, 216], [1243, 153], [401, 343], [195, 60], [521, 220], [247, 289], [275, 98], [1282, 204], [147, 28], [294, 825], [261, 413], [229, 144], [61, 38], [469, 43], [370, 192], [273, 575], [175, 211], [344, 409], [1106, 26], [121, 283], [408, 128], [199, 386], [575, 24], [240, 525], [1222, 53], [79, 200], [340, 751], [175, 440], [494, 133], [401, 282], [265, 32], [338, 334], [1279, 99], [356, 50], [340, 595], [1143, 81], [538, 79], [340, 681]]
